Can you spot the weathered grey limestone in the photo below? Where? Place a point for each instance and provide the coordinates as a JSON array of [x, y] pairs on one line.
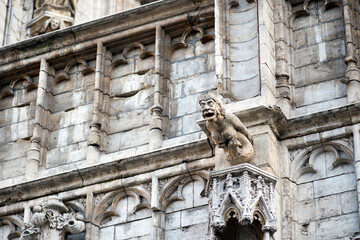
[[226, 131], [34, 158], [356, 134], [156, 124], [111, 132]]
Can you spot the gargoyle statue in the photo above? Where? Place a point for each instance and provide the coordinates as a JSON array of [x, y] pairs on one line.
[[226, 131]]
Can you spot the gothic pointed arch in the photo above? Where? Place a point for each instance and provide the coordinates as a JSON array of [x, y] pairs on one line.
[[244, 194]]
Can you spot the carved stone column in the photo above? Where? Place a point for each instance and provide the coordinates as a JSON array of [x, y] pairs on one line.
[[243, 193], [156, 123], [158, 216], [283, 92], [94, 138], [222, 63], [352, 74], [37, 149]]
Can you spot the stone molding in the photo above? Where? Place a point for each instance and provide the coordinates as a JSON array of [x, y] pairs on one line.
[[114, 168], [303, 161], [244, 192]]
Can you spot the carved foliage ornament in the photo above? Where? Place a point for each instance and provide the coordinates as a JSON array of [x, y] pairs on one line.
[[243, 192], [55, 214]]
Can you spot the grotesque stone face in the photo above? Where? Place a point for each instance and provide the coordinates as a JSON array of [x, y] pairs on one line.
[[227, 132], [54, 24], [209, 108]]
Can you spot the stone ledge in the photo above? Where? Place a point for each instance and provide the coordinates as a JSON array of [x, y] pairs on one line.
[[298, 126], [104, 172]]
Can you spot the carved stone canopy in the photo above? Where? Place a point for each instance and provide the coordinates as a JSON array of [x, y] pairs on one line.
[[243, 192]]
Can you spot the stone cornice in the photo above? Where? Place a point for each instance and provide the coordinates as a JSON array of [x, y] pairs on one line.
[[104, 172], [83, 38], [298, 126]]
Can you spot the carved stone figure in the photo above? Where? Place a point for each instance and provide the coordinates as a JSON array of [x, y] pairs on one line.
[[50, 15], [226, 131]]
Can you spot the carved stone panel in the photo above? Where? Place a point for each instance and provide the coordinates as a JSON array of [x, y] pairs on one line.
[[50, 15], [51, 220]]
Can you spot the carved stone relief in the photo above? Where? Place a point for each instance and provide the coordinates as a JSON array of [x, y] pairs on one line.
[[226, 131], [243, 193], [50, 15], [55, 216]]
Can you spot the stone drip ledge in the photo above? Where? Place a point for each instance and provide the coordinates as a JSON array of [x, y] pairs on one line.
[[180, 169], [103, 172], [288, 128]]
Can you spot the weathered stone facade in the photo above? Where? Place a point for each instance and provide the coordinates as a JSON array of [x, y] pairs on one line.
[[102, 136]]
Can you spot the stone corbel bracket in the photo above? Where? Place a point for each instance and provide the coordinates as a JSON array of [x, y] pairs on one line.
[[243, 192]]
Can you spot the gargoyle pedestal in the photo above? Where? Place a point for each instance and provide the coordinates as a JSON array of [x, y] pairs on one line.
[[242, 196]]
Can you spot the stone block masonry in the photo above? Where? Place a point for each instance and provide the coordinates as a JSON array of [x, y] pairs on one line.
[[101, 127]]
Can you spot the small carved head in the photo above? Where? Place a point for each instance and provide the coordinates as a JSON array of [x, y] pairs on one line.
[[54, 23], [210, 108]]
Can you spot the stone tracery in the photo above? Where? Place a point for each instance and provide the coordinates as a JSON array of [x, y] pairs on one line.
[[244, 193]]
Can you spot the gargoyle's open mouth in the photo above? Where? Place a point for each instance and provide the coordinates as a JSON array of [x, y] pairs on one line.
[[209, 114]]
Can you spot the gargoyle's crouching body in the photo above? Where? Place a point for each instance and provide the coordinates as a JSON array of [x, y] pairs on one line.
[[227, 132]]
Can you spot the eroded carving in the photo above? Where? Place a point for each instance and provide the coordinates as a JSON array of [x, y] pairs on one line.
[[50, 15], [245, 193], [56, 215], [30, 233], [226, 131], [203, 37]]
